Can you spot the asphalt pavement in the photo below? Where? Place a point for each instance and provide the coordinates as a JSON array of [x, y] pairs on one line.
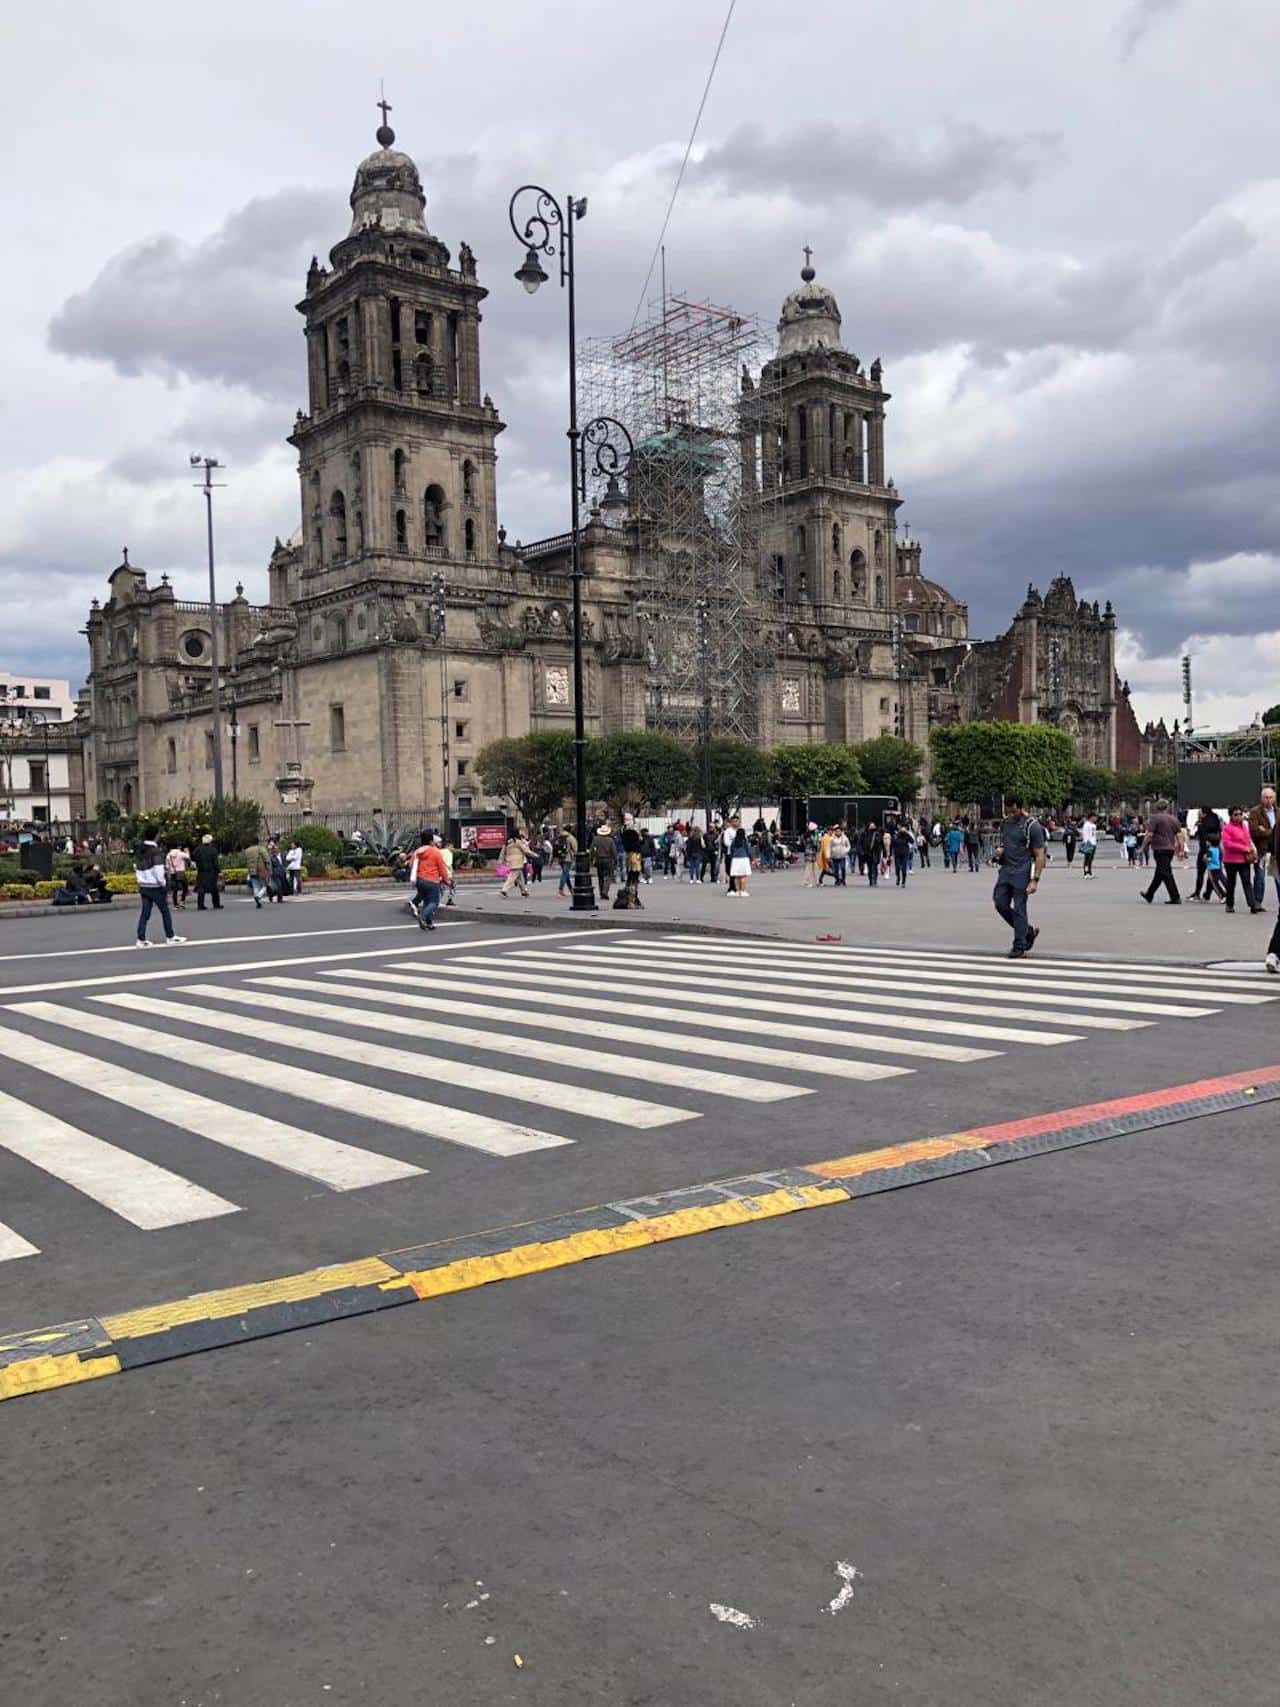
[[611, 1449]]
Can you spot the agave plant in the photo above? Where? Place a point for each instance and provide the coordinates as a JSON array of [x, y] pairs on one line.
[[385, 838]]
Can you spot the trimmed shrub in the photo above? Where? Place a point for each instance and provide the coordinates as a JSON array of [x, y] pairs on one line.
[[121, 883], [46, 887], [233, 874], [18, 891]]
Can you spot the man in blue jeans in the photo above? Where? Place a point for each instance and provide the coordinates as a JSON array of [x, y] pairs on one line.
[[1020, 856], [148, 869]]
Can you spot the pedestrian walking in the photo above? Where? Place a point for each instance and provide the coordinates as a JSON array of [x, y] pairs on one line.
[[1208, 834], [903, 840], [1088, 842], [952, 845], [871, 842], [1213, 884], [972, 843], [1019, 854], [153, 892], [1264, 827], [603, 858], [633, 862], [565, 850], [1239, 855], [839, 849], [1070, 839], [278, 881], [1164, 836], [922, 843], [693, 846], [205, 861], [175, 866], [810, 849], [740, 862], [515, 856], [428, 876], [257, 872], [446, 854], [293, 866]]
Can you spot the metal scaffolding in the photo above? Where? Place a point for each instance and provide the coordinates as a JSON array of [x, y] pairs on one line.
[[680, 381]]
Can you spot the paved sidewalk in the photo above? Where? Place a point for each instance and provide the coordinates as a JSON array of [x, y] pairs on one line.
[[1102, 919]]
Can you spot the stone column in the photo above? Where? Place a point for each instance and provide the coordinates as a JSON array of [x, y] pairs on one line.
[[469, 357], [875, 450]]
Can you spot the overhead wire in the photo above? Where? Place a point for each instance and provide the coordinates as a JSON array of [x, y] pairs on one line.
[[653, 259]]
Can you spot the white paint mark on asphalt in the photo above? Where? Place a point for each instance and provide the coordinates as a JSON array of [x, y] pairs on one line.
[[12, 1245], [216, 941], [731, 1615], [173, 970], [847, 1573]]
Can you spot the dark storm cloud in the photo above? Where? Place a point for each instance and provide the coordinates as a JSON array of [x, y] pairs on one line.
[[831, 162], [212, 310]]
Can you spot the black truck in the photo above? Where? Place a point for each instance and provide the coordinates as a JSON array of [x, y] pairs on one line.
[[824, 810]]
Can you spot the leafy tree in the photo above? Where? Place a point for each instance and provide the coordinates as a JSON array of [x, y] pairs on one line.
[[641, 771], [820, 768], [1129, 788], [738, 772], [1271, 718], [891, 766], [321, 848], [233, 823], [974, 760], [1160, 782], [534, 772], [108, 812], [1092, 785]]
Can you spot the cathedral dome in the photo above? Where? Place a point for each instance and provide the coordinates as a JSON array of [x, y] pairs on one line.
[[912, 590], [387, 190], [810, 317]]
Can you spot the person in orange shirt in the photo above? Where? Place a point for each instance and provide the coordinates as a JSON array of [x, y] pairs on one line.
[[428, 874]]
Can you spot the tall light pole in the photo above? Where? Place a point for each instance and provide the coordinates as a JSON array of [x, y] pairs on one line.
[[548, 230], [704, 668], [209, 464], [437, 611], [1186, 692]]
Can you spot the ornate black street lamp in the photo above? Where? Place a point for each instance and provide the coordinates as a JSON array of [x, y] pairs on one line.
[[602, 449]]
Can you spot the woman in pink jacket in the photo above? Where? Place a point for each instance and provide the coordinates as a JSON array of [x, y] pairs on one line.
[[1238, 854]]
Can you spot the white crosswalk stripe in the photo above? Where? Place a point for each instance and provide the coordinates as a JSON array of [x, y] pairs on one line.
[[529, 1049], [340, 1166], [13, 1245], [837, 1006], [783, 967], [485, 980], [410, 1111], [139, 1191], [671, 1014]]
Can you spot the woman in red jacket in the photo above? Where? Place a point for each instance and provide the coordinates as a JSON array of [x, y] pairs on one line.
[[1238, 854]]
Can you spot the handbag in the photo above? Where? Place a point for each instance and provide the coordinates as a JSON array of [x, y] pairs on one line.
[[502, 868]]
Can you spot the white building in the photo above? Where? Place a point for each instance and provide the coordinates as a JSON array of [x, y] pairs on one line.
[[40, 774]]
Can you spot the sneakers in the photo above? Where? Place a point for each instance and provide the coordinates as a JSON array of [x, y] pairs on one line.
[[141, 943], [1273, 963], [170, 940]]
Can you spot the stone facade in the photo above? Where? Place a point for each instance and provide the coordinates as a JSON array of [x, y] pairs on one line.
[[348, 693]]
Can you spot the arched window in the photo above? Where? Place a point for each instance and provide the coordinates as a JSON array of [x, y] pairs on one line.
[[835, 584], [359, 530], [338, 510], [835, 539], [344, 376], [469, 537], [402, 531], [857, 574], [802, 431], [779, 576], [949, 626], [339, 634], [424, 374], [397, 465], [802, 541], [468, 482], [913, 622], [878, 547], [879, 589], [433, 515]]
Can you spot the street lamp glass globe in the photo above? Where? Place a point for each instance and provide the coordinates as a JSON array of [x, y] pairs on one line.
[[532, 273]]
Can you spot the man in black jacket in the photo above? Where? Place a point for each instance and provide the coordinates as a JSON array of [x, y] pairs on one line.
[[205, 860]]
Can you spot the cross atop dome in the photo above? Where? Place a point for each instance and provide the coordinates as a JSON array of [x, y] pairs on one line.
[[806, 272], [384, 134]]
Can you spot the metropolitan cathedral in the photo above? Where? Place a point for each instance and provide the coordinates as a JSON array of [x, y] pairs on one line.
[[404, 631]]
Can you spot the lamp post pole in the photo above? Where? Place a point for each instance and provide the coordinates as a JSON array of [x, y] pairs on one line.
[[548, 229], [209, 464], [439, 621], [233, 730], [704, 668]]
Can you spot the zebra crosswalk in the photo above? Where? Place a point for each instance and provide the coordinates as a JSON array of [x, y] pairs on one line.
[[363, 1071]]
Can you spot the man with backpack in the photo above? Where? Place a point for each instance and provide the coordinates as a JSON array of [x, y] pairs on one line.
[[565, 850], [1019, 854]]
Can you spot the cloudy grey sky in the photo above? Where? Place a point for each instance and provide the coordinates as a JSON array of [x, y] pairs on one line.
[[1060, 229]]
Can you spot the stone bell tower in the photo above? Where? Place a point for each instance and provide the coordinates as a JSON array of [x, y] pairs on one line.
[[396, 451]]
